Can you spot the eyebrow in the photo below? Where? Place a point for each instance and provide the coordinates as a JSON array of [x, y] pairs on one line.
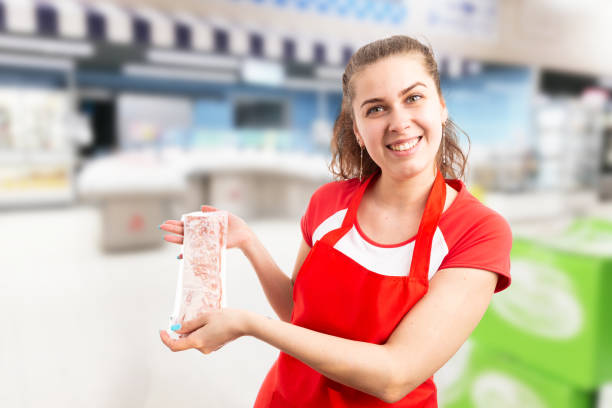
[[400, 94]]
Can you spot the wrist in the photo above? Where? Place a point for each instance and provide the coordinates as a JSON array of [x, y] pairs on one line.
[[248, 245], [247, 322]]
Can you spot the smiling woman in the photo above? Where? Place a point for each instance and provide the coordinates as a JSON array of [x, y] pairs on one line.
[[419, 84], [398, 261]]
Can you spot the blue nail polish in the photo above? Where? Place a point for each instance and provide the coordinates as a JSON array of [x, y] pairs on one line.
[[175, 327], [178, 257]]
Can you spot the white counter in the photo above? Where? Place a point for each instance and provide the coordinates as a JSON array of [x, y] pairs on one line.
[[167, 171], [138, 191]]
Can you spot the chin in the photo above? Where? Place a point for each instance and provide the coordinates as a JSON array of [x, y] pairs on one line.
[[410, 171]]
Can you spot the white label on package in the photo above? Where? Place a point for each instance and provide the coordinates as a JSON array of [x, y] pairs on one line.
[[201, 280]]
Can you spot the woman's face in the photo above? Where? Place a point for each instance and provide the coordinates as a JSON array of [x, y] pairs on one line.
[[398, 115]]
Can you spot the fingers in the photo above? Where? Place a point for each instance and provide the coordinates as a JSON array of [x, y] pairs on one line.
[[194, 324], [207, 208], [181, 344], [175, 239], [175, 227], [172, 227]]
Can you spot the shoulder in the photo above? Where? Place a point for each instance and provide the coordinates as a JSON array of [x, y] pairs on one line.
[[330, 198], [467, 213], [477, 236], [326, 201], [336, 189]]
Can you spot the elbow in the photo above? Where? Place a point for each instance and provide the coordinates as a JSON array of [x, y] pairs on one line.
[[289, 313], [398, 387], [396, 393], [393, 395], [400, 380]]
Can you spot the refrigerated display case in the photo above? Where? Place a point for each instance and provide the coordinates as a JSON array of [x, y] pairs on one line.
[[567, 134], [38, 130], [605, 177]]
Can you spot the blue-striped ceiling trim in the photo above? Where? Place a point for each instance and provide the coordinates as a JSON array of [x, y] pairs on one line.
[[108, 22]]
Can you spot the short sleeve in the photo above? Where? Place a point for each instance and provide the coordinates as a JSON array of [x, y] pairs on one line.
[[485, 245], [306, 222], [324, 202]]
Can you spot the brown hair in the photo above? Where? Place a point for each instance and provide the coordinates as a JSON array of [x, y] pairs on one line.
[[345, 150]]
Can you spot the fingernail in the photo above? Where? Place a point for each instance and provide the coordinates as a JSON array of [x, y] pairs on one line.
[[178, 257], [175, 327], [159, 226]]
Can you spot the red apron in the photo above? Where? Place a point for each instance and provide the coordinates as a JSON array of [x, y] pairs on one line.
[[333, 294]]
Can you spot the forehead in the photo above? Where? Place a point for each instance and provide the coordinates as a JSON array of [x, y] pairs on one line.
[[390, 75]]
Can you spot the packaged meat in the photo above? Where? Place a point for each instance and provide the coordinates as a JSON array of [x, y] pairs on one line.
[[201, 278]]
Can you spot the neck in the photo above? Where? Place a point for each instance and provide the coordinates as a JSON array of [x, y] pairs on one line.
[[399, 195]]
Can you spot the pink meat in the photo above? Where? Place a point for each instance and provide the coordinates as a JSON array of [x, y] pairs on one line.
[[203, 246]]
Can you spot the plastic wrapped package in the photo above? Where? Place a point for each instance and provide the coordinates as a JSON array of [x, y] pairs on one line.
[[201, 279]]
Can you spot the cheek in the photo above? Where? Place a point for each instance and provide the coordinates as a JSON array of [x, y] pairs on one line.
[[433, 121], [433, 116], [372, 130]]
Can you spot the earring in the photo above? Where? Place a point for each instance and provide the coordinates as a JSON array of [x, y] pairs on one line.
[[361, 164], [443, 150]]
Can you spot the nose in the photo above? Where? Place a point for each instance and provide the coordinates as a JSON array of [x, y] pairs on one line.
[[399, 120]]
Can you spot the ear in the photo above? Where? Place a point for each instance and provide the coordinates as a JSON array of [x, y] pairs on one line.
[[357, 134], [444, 110]]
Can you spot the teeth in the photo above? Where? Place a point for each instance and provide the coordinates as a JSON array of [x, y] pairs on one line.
[[404, 146]]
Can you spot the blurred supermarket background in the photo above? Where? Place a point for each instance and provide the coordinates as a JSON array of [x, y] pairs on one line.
[[118, 114]]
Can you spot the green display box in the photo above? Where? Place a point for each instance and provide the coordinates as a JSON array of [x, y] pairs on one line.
[[479, 377], [557, 313]]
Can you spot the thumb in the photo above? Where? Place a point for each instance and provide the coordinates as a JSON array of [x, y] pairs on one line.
[[194, 324]]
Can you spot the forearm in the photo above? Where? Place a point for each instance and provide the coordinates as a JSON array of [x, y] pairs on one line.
[[276, 285], [364, 366]]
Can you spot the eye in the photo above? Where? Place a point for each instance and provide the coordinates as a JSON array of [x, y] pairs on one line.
[[374, 109], [414, 98]]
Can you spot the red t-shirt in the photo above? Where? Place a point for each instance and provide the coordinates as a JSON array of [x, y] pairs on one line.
[[469, 235]]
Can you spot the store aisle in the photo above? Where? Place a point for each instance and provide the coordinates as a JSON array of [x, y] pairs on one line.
[[80, 326]]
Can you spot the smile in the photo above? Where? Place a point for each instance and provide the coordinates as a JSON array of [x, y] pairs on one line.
[[400, 147]]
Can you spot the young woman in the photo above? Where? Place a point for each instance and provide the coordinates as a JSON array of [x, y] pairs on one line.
[[397, 265]]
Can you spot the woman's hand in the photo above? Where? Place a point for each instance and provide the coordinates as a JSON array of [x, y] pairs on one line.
[[209, 331], [238, 232]]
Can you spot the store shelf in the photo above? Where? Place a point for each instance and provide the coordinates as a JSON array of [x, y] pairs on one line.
[[13, 157], [20, 199]]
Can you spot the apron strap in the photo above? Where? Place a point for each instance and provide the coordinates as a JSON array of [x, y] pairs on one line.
[[351, 214], [419, 266]]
